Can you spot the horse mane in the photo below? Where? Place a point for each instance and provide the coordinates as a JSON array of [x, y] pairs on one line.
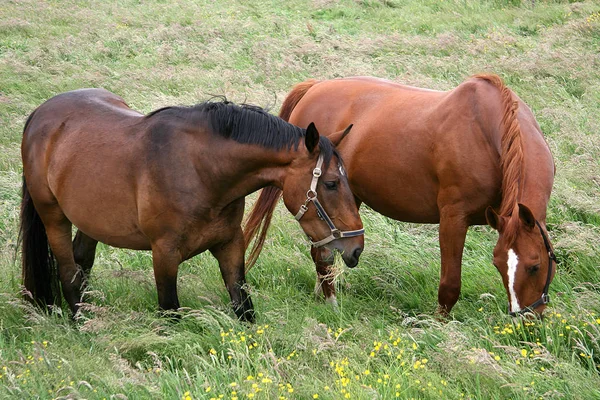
[[245, 123], [512, 156]]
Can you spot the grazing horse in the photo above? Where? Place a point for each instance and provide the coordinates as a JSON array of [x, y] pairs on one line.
[[468, 156], [173, 181]]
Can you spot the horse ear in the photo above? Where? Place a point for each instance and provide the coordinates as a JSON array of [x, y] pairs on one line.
[[312, 137], [337, 137], [493, 219], [526, 216]]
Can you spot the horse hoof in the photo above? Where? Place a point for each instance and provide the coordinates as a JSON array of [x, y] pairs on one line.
[[247, 316], [332, 301]]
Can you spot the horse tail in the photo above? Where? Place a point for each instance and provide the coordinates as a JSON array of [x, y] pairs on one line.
[[511, 158], [294, 97], [39, 267], [258, 221]]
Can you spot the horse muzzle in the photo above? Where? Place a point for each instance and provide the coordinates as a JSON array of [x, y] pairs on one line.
[[349, 255], [351, 259]]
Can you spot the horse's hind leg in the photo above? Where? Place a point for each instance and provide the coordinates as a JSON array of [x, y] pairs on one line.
[[58, 230], [84, 249], [231, 262]]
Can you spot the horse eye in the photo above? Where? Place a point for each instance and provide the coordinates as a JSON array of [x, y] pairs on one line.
[[331, 185], [532, 270]]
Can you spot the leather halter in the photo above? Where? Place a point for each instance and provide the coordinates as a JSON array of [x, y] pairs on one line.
[[545, 299], [311, 197]]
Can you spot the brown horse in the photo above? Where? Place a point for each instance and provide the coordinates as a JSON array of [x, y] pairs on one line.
[[173, 181], [451, 158]]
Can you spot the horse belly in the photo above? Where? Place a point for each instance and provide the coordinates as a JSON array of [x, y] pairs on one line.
[[402, 191], [107, 218]]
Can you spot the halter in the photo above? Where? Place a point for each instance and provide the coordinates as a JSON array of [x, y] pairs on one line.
[[545, 299], [311, 196]]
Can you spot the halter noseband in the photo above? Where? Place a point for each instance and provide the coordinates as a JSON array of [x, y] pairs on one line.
[[311, 196], [545, 299]]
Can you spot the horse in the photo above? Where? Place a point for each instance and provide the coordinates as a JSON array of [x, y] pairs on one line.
[[173, 181], [469, 156]]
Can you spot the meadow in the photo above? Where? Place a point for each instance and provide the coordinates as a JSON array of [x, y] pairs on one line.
[[384, 341]]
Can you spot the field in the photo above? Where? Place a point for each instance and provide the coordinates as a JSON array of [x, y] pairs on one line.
[[384, 340]]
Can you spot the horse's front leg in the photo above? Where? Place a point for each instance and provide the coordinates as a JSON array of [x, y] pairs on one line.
[[230, 256], [453, 230], [165, 261]]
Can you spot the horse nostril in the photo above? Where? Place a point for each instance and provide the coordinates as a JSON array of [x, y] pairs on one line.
[[357, 253]]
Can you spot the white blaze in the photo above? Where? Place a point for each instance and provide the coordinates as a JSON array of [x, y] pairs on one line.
[[513, 260]]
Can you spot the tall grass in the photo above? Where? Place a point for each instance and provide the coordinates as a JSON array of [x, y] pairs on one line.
[[383, 341]]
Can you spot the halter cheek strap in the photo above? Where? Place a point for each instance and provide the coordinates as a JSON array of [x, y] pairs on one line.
[[311, 197], [545, 299]]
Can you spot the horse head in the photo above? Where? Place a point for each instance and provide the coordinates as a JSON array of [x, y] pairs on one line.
[[317, 192], [524, 257]]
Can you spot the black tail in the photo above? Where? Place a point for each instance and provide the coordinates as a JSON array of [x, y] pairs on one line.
[[40, 275]]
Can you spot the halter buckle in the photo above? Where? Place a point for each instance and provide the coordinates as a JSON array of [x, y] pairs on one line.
[[317, 172], [336, 233], [310, 195]]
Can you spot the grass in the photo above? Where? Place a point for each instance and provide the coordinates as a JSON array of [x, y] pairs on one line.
[[384, 341]]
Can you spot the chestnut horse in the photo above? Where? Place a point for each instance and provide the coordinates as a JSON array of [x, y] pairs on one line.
[[468, 156], [173, 181]]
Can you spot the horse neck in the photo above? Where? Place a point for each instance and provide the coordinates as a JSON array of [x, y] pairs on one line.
[[252, 167]]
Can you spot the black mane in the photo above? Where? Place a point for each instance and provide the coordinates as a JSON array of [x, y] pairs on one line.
[[247, 124]]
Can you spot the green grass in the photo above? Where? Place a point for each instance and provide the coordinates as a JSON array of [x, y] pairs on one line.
[[383, 341]]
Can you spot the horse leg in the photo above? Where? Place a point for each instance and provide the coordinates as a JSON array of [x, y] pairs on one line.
[[58, 230], [453, 230], [325, 275], [230, 256], [165, 262], [84, 249]]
